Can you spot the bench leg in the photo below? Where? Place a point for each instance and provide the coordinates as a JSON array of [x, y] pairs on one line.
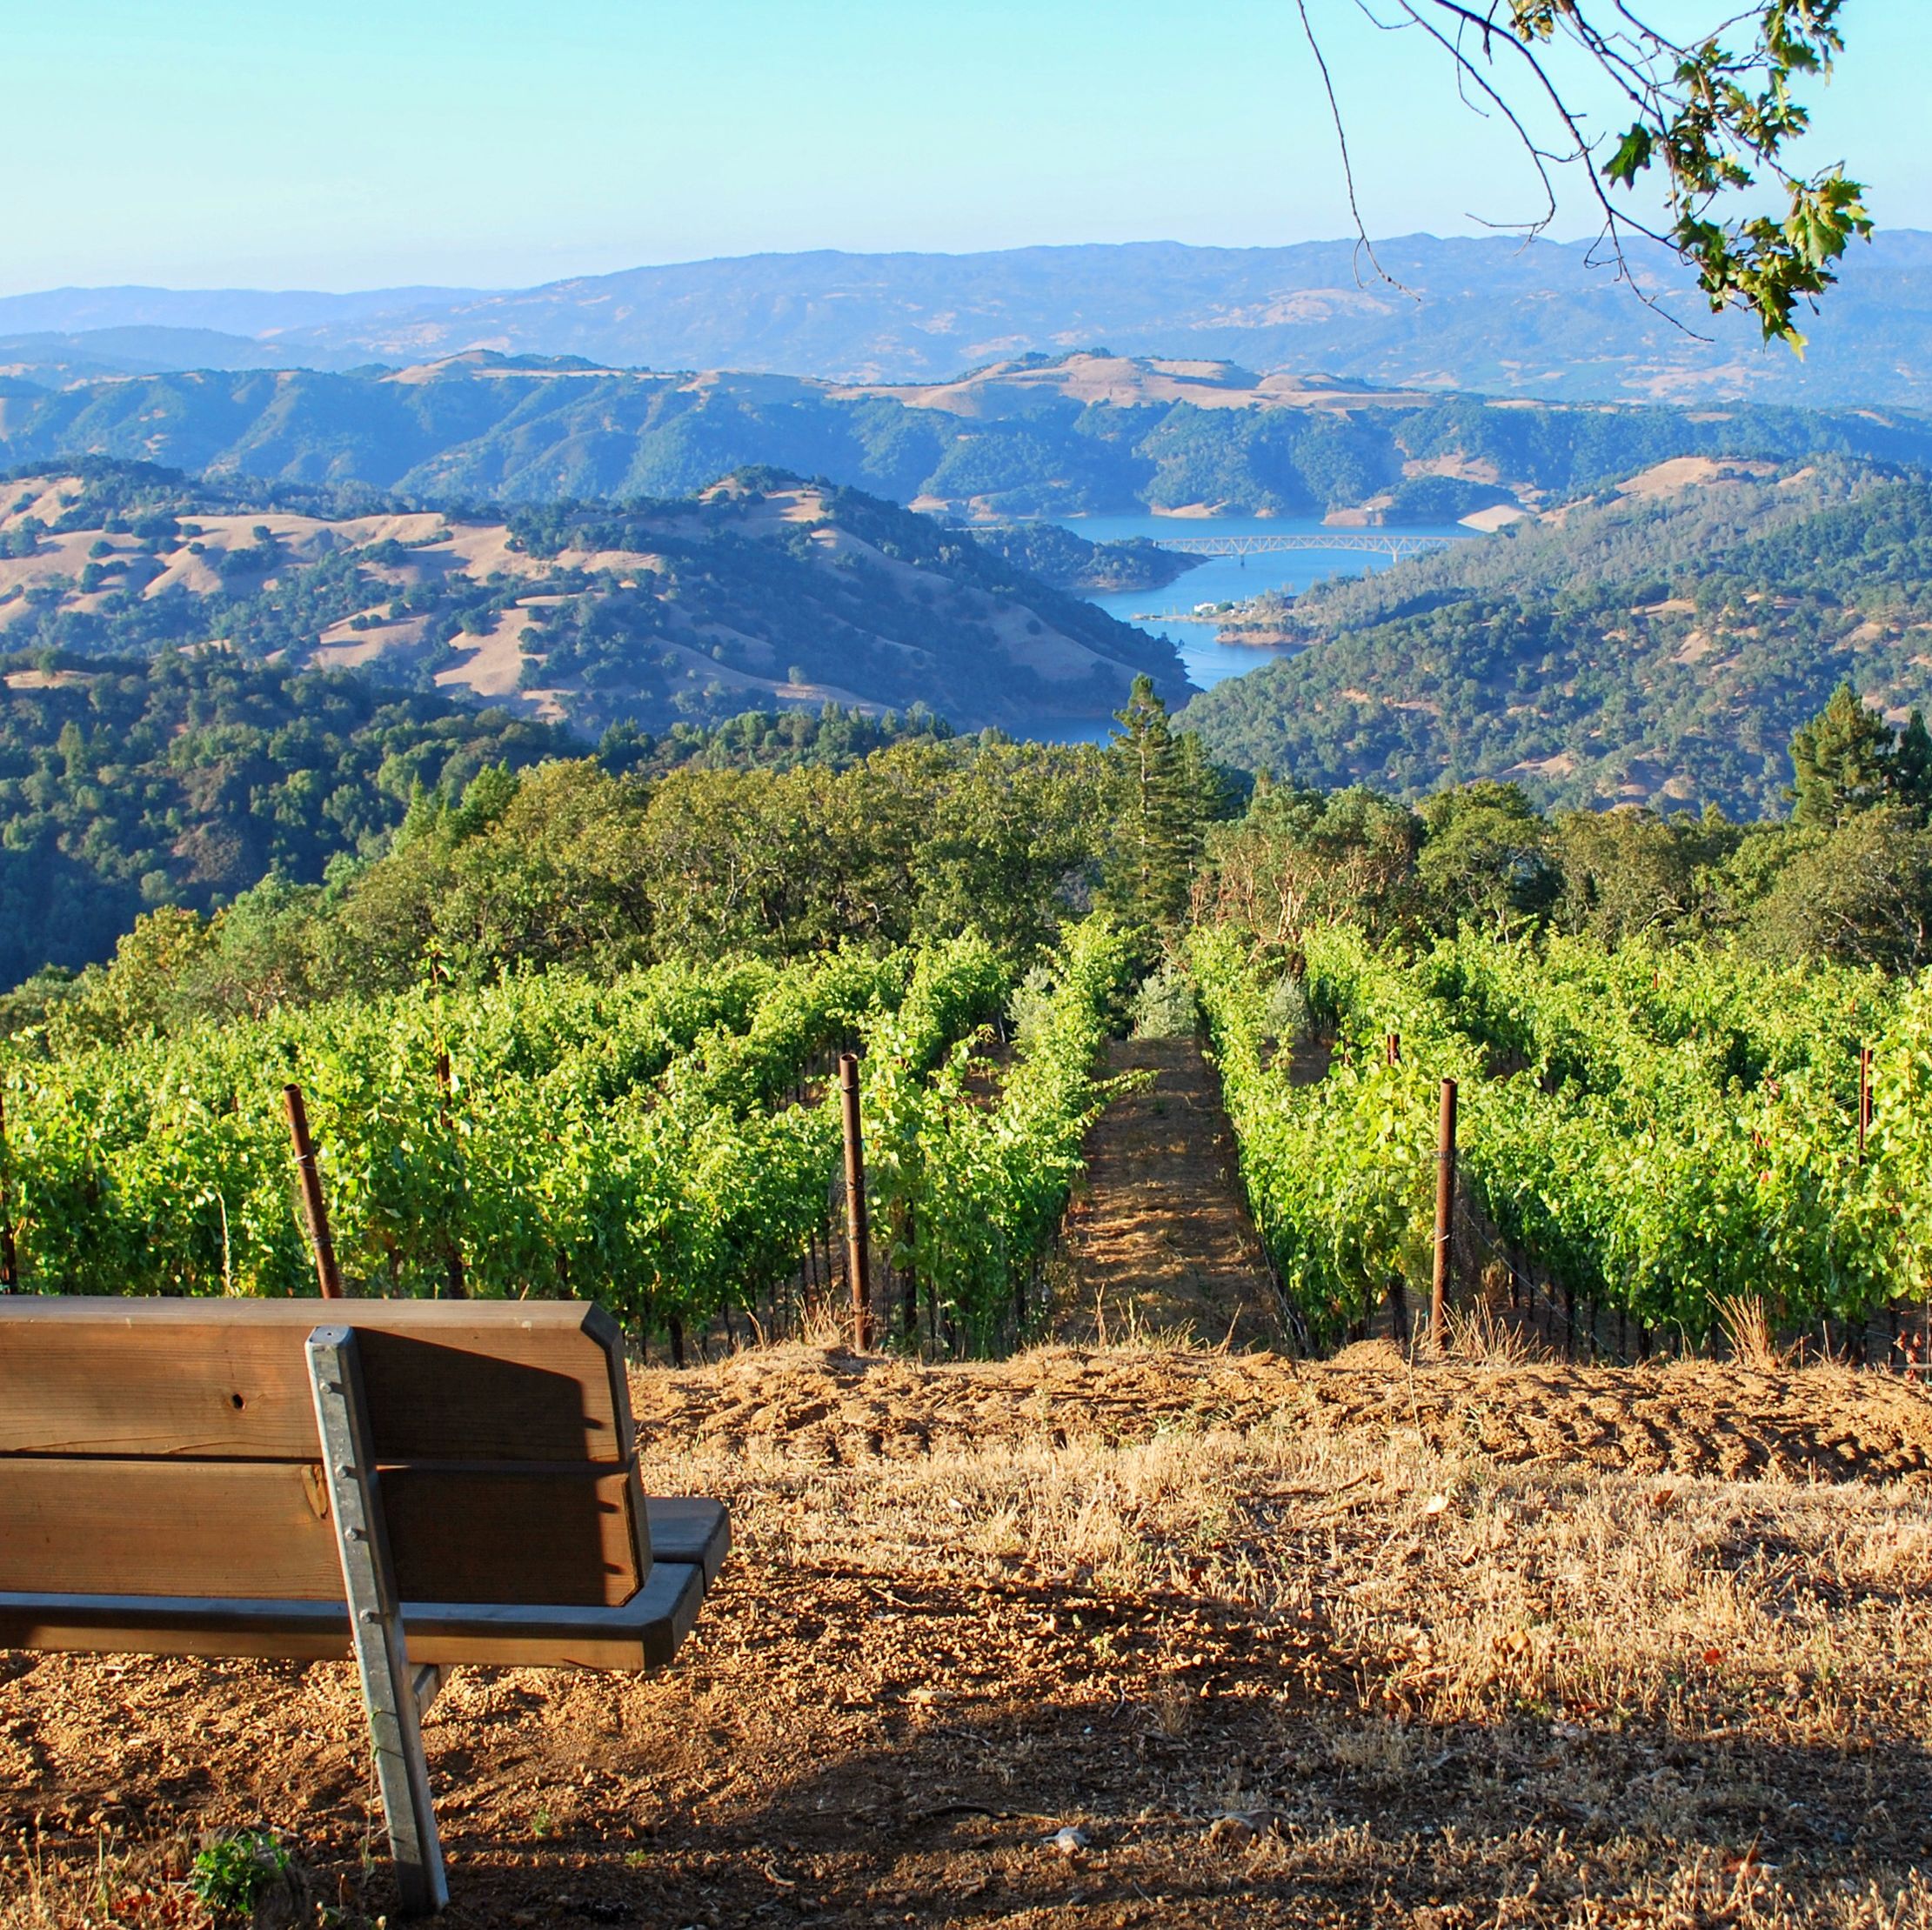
[[389, 1688]]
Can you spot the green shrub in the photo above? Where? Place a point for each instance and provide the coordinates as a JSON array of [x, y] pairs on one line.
[[1164, 1006], [233, 1872]]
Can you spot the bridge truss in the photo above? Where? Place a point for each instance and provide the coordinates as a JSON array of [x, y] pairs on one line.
[[1394, 544]]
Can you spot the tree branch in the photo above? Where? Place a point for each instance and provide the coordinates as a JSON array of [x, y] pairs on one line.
[[1709, 120], [1363, 244]]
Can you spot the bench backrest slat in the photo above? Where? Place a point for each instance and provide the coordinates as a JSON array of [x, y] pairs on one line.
[[228, 1379], [169, 1448]]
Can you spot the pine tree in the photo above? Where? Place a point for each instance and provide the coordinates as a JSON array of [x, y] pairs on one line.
[[1912, 767], [1845, 761], [1161, 814]]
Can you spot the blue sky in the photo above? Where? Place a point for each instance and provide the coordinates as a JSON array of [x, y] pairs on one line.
[[494, 144]]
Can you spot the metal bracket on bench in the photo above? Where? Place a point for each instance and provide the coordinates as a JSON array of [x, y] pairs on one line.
[[427, 1679], [391, 1690]]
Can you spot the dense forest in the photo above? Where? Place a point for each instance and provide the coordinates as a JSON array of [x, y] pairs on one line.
[[187, 778], [1632, 647], [1020, 438], [753, 841]]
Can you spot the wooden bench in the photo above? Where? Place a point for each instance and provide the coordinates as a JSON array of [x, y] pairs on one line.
[[414, 1483]]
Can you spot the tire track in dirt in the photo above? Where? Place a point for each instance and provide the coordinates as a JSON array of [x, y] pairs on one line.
[[1158, 1240]]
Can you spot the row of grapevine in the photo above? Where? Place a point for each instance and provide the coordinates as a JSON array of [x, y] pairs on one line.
[[1333, 1169], [712, 1188], [966, 1183], [1568, 1004], [1656, 1132], [1678, 1151], [576, 1123], [649, 1143]]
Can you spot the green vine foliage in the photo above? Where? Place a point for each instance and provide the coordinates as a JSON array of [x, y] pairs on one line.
[[1656, 1131], [668, 1144], [990, 1179], [1333, 1169], [622, 1142], [967, 1169]]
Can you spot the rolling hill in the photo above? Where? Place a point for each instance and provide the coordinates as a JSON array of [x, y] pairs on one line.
[[1031, 436], [1657, 643], [763, 591]]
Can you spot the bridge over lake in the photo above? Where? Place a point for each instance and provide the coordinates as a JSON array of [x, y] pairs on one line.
[[1393, 543]]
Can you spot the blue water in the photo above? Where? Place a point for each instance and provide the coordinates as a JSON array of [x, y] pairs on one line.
[[1226, 580]]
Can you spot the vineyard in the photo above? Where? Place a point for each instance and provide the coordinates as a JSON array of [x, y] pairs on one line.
[[665, 1143], [1654, 1139], [1650, 1138]]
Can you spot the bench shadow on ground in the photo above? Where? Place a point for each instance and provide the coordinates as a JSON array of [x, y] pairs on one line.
[[1217, 1776]]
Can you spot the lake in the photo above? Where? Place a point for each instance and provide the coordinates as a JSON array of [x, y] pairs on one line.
[[1222, 579]]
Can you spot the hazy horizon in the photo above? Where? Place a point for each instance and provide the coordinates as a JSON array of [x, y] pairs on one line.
[[480, 147], [349, 291]]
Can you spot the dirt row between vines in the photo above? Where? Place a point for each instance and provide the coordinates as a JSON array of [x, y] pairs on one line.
[[1158, 1241], [1336, 1644]]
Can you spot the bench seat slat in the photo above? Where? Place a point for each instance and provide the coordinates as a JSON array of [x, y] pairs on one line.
[[688, 1528], [644, 1633]]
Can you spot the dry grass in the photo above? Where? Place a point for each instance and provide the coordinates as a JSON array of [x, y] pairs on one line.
[[1445, 1588], [1285, 1645], [1481, 1332], [1746, 1324]]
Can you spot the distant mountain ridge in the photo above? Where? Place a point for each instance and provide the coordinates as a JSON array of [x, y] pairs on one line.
[[1492, 315], [243, 312], [56, 358], [1035, 435]]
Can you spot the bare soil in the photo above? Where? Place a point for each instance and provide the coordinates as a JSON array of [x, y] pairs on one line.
[[1693, 1417], [1345, 1643], [1157, 1240]]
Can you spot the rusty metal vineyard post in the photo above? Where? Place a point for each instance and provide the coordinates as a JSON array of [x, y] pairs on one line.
[[1445, 1215], [314, 1208], [858, 1237], [9, 1261], [456, 1287]]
